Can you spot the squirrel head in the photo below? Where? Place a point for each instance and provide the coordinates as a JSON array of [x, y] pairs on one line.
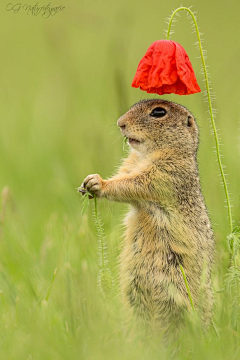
[[158, 124]]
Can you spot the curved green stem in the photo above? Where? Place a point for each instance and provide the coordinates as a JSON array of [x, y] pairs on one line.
[[105, 279], [210, 107], [187, 287], [100, 233]]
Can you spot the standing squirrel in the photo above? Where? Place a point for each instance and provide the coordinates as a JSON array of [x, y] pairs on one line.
[[168, 224]]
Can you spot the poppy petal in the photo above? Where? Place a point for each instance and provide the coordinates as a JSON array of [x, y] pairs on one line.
[[166, 69]]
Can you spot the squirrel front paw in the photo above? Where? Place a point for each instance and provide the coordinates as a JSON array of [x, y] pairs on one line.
[[93, 184]]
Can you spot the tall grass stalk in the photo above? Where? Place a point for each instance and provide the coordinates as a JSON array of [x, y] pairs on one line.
[[234, 237], [51, 285], [105, 279], [187, 287]]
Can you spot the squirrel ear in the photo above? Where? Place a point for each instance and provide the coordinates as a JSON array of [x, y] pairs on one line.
[[190, 121]]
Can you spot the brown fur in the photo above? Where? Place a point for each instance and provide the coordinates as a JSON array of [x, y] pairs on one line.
[[168, 224]]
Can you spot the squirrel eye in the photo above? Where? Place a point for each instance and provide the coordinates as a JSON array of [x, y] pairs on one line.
[[158, 112]]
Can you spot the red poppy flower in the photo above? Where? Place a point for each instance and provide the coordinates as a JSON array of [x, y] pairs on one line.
[[166, 69]]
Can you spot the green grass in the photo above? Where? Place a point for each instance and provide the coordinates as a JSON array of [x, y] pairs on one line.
[[64, 83]]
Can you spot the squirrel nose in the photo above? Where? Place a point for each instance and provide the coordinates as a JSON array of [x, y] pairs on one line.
[[121, 123]]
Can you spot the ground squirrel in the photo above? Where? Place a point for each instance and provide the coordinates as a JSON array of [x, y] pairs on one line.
[[168, 224]]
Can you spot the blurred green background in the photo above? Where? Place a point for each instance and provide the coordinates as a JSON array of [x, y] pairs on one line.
[[65, 81]]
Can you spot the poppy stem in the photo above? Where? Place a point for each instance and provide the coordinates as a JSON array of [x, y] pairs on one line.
[[210, 107]]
